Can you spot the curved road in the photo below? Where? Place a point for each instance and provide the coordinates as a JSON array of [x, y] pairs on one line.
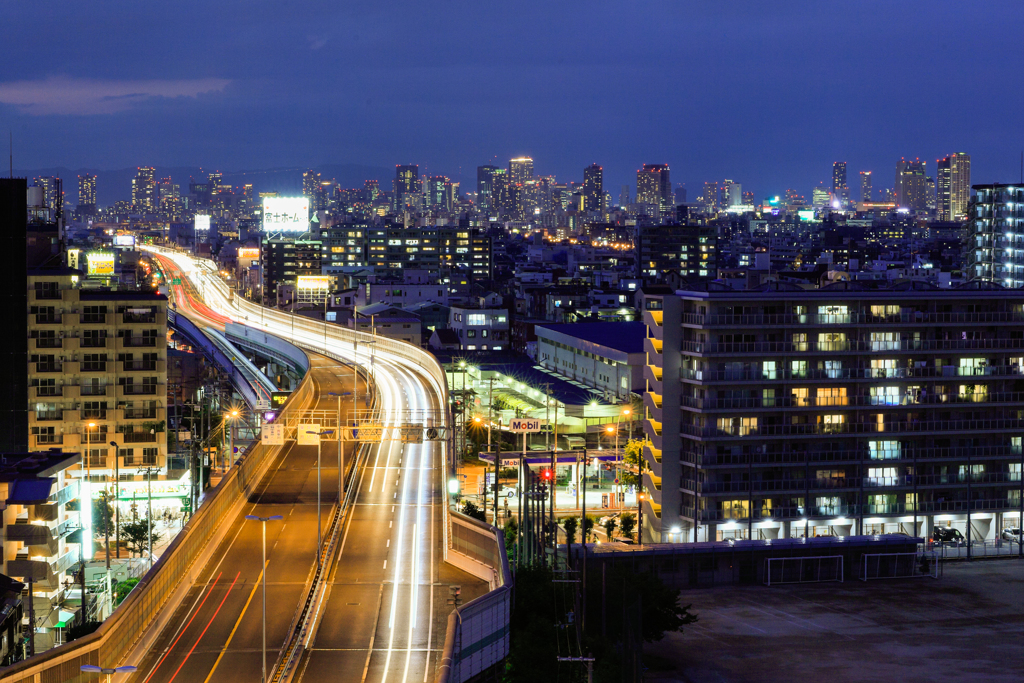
[[383, 615]]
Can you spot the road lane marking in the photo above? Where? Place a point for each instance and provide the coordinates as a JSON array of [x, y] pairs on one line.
[[182, 631], [232, 634], [198, 640]]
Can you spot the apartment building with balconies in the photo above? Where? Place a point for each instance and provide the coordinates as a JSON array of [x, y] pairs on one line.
[[41, 538], [97, 375], [784, 412]]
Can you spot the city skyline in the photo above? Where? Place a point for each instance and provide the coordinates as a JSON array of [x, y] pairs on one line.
[[566, 105]]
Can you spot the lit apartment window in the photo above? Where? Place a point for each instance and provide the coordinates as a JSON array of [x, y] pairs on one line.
[[833, 314], [799, 395], [885, 341], [881, 367], [800, 341], [884, 450], [881, 476], [885, 396], [973, 366], [831, 424], [832, 341], [833, 368], [737, 426], [974, 392], [798, 369], [885, 312], [768, 370], [831, 396]]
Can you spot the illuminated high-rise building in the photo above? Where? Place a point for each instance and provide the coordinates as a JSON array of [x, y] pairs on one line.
[[911, 185], [520, 170], [709, 198], [371, 188], [593, 188], [310, 185], [954, 187], [653, 186], [840, 190], [87, 193], [994, 248], [53, 194], [865, 186], [437, 191], [407, 185], [485, 188], [144, 189]]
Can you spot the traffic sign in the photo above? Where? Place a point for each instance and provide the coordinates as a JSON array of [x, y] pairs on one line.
[[525, 425], [272, 434], [308, 434], [176, 281], [262, 404], [412, 433]]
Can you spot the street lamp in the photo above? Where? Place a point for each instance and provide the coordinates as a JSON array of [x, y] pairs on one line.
[[341, 457], [319, 541], [109, 672], [257, 518], [231, 415]]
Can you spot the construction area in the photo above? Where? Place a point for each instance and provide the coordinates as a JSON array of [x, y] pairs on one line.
[[967, 625]]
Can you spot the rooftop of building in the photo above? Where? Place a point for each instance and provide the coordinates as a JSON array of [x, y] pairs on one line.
[[626, 337]]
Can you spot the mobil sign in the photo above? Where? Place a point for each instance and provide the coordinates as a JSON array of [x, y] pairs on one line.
[[525, 425]]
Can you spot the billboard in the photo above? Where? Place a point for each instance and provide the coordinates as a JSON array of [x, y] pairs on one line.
[[124, 240], [314, 282], [285, 214], [248, 252], [202, 223], [101, 263]]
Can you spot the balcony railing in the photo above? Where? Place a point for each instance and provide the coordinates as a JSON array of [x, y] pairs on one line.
[[848, 373], [133, 365], [139, 341], [93, 342], [48, 391], [93, 318], [140, 413], [857, 428], [132, 318], [864, 345], [49, 319], [852, 456], [93, 390], [743, 403], [764, 486], [48, 342], [49, 438], [140, 389], [94, 413], [94, 366], [139, 437], [852, 318]]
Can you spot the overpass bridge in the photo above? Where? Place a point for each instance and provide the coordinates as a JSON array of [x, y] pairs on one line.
[[376, 607]]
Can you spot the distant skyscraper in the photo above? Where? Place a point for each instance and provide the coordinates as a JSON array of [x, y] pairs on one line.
[[624, 196], [954, 187], [87, 193], [865, 186], [709, 198], [911, 185], [310, 186], [407, 184], [436, 191], [520, 170], [144, 189], [680, 195], [840, 189], [371, 188], [732, 193], [653, 186], [485, 187], [593, 188], [53, 194]]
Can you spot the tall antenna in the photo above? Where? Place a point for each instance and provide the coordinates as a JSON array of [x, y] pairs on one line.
[[1022, 168], [10, 133]]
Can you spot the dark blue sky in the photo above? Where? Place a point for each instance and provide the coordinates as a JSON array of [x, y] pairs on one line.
[[766, 93]]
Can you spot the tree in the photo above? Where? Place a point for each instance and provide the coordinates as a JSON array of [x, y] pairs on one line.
[[633, 455], [470, 509], [588, 527], [609, 527], [627, 523], [570, 524], [135, 535], [122, 589], [511, 530], [102, 515]]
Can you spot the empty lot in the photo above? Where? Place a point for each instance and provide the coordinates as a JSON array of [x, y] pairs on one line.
[[966, 626]]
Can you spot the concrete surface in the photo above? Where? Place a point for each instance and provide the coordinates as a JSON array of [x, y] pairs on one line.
[[966, 626]]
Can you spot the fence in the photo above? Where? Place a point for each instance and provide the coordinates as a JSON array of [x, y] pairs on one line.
[[477, 635], [978, 550], [115, 638]]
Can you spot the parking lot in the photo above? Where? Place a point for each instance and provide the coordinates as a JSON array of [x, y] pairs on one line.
[[966, 626]]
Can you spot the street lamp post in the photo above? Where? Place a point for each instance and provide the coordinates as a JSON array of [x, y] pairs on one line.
[[319, 540], [341, 456], [149, 509], [117, 502], [109, 672], [233, 417], [264, 520]]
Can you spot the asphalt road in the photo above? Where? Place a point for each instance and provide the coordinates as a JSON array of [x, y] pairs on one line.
[[385, 613], [216, 633]]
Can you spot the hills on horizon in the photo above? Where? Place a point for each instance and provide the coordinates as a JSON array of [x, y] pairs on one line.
[[116, 185]]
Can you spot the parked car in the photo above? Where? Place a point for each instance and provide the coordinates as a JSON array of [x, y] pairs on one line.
[[1012, 534], [945, 535]]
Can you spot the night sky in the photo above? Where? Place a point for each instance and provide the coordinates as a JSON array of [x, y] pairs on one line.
[[768, 94]]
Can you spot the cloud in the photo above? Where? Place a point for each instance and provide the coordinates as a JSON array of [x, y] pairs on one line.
[[81, 96]]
